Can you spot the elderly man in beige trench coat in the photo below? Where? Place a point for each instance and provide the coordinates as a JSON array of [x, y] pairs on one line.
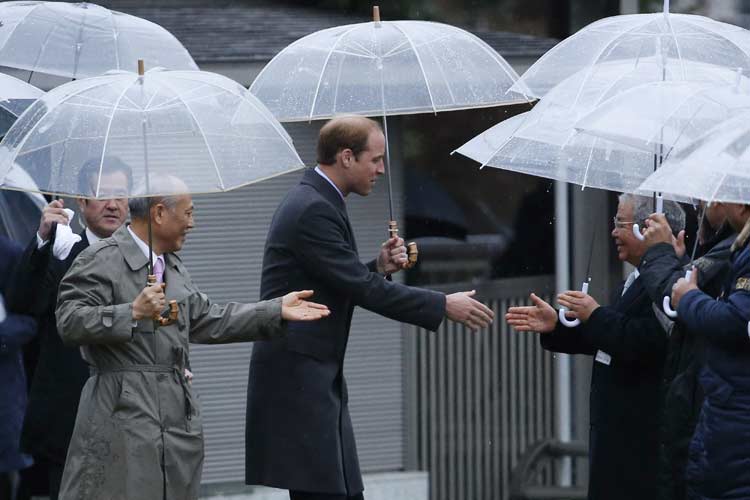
[[138, 432]]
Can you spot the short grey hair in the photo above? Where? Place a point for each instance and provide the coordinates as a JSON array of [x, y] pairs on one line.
[[643, 206], [166, 188]]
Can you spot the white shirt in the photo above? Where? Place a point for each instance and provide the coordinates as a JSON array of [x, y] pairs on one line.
[[142, 245], [323, 175]]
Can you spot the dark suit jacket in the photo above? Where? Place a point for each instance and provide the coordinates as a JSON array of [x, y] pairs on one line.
[[299, 434], [625, 401], [60, 372]]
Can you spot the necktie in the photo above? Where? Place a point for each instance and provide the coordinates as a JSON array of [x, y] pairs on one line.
[[159, 269]]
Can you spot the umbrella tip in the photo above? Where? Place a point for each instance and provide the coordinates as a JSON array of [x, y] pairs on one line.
[[376, 13], [141, 67], [666, 6]]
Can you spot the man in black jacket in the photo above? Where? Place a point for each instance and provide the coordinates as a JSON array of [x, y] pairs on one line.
[[662, 265], [628, 343], [60, 372], [299, 433]]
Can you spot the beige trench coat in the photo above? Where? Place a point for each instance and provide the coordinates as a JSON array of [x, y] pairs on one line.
[[138, 433]]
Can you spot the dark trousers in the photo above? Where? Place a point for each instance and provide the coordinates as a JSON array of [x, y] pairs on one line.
[[302, 495]]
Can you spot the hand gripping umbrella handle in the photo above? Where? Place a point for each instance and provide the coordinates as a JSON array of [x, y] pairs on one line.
[[570, 323], [659, 210], [411, 248], [169, 315], [666, 304]]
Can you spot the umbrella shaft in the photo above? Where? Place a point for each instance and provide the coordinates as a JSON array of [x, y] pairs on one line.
[[388, 168]]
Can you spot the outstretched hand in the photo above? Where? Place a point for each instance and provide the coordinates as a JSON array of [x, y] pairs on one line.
[[462, 308], [540, 317], [294, 307]]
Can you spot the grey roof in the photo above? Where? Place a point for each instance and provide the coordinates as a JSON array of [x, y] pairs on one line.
[[255, 33]]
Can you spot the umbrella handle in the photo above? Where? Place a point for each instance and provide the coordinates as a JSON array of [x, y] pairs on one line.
[[570, 323], [659, 210], [666, 304], [170, 315], [411, 248]]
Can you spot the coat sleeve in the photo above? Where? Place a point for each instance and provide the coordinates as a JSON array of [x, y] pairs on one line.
[[324, 253], [32, 293], [214, 324], [723, 322], [629, 337], [85, 312], [660, 268], [15, 331], [567, 340]]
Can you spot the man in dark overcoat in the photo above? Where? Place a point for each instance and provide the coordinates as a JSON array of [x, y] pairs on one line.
[[299, 433], [61, 372], [662, 265], [628, 344]]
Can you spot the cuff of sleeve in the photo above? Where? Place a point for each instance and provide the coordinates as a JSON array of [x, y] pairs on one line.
[[269, 312], [40, 243], [118, 320]]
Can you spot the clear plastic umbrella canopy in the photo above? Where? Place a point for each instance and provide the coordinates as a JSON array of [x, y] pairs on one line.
[[199, 127], [78, 40], [15, 96], [670, 40], [384, 68], [545, 143], [663, 116], [715, 167]]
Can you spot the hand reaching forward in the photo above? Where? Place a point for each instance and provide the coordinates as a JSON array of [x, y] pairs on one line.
[[462, 308], [392, 257], [295, 308], [540, 317], [580, 305]]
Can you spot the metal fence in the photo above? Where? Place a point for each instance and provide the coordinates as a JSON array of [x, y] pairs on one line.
[[477, 401]]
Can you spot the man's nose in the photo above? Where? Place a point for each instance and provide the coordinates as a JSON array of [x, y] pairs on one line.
[[381, 168]]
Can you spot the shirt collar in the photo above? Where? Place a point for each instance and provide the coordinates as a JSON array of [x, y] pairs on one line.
[[142, 245], [323, 175], [91, 236]]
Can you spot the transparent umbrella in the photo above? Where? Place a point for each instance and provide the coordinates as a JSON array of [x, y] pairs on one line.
[[669, 40], [201, 129], [714, 167], [78, 40], [662, 116], [15, 96], [384, 68]]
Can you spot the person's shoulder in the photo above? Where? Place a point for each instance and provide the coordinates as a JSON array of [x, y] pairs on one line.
[[100, 250]]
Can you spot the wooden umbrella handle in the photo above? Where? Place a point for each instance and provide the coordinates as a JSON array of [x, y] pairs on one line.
[[376, 13], [168, 317], [411, 248]]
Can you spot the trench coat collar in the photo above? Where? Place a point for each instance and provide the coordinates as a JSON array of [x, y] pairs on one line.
[[314, 179], [129, 248]]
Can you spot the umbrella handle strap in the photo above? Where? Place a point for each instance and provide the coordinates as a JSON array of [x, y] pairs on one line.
[[666, 303], [571, 323]]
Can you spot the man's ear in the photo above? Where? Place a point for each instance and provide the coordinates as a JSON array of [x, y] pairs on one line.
[[346, 157], [158, 212], [81, 203]]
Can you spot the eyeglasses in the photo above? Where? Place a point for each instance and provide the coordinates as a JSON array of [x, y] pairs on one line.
[[621, 224]]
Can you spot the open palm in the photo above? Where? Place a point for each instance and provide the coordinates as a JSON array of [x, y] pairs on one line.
[[295, 308], [540, 317]]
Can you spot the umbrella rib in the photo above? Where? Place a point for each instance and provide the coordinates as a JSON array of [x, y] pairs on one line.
[[588, 164], [493, 55], [419, 60], [323, 70], [505, 143], [609, 46], [23, 19], [260, 109], [676, 46], [442, 73], [106, 136], [203, 135]]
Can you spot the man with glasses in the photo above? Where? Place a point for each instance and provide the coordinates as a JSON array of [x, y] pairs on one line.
[[628, 343], [60, 372]]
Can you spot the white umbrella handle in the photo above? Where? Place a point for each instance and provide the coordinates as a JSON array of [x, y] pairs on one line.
[[570, 323], [659, 210], [666, 304]]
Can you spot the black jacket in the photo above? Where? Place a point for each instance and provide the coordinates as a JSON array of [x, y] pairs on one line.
[[682, 394], [625, 394], [299, 434], [60, 372]]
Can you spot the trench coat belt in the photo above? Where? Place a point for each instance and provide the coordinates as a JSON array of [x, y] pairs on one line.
[[177, 369]]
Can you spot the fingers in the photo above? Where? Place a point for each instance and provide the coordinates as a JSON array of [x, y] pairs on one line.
[[694, 276], [303, 294], [315, 305], [471, 293]]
